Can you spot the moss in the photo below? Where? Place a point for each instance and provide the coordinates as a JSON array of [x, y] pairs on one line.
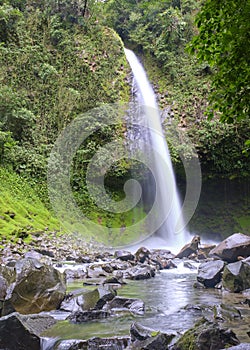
[[21, 211]]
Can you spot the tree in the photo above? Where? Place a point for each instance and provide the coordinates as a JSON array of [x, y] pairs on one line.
[[223, 42]]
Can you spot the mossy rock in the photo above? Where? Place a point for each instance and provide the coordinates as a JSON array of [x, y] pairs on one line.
[[206, 335]]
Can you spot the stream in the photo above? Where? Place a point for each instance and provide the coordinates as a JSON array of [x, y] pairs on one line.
[[172, 304]]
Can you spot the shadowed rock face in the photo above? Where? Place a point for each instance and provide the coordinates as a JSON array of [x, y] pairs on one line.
[[235, 246], [236, 276], [37, 287], [20, 332]]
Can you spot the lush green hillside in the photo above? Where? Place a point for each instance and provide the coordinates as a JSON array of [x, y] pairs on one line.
[[21, 210]]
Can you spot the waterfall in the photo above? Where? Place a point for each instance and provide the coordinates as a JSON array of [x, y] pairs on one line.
[[170, 223]]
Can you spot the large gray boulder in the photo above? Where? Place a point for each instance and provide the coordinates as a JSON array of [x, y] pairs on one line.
[[148, 339], [139, 272], [210, 273], [206, 335], [37, 287], [237, 245], [236, 276], [134, 305], [84, 300], [21, 332]]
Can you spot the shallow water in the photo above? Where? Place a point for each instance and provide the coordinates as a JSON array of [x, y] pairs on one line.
[[165, 297]]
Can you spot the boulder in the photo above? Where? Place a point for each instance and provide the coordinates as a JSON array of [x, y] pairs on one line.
[[210, 272], [206, 335], [161, 254], [224, 312], [139, 272], [113, 343], [237, 245], [189, 248], [85, 299], [148, 339], [75, 274], [236, 276], [96, 271], [23, 332], [85, 316], [37, 287], [124, 255], [136, 306], [142, 254], [3, 287], [242, 346], [105, 296]]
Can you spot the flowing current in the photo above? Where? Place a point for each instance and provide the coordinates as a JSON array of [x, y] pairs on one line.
[[169, 224]]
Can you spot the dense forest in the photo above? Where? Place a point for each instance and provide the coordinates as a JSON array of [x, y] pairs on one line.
[[59, 59]]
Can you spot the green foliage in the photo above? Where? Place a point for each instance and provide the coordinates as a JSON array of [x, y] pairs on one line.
[[20, 208], [158, 28], [220, 150], [223, 42]]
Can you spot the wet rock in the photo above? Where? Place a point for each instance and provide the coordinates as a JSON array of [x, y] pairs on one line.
[[142, 254], [80, 300], [161, 253], [188, 265], [206, 335], [148, 339], [162, 259], [75, 274], [204, 250], [23, 332], [105, 296], [107, 268], [209, 273], [139, 332], [114, 280], [32, 254], [37, 287], [139, 272], [134, 305], [225, 312], [232, 247], [85, 259], [46, 252], [94, 271], [3, 287], [189, 248], [85, 316], [114, 343], [124, 255], [242, 346], [84, 299], [236, 276], [120, 265]]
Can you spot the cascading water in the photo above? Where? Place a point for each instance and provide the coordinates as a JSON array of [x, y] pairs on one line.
[[168, 208]]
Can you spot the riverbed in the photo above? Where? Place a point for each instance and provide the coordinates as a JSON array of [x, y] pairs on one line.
[[172, 305]]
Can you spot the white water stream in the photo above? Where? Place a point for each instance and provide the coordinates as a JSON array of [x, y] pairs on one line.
[[170, 223]]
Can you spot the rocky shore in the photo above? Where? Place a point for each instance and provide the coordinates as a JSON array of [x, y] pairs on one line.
[[33, 283]]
